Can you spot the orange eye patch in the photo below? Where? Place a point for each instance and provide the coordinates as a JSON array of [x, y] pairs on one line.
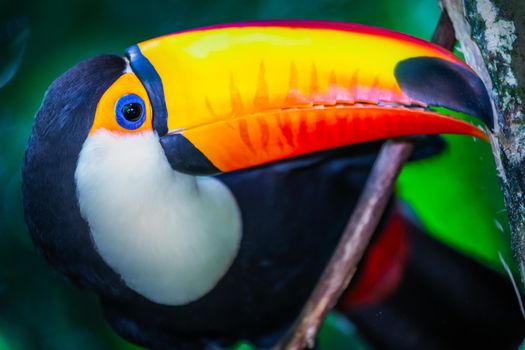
[[124, 107]]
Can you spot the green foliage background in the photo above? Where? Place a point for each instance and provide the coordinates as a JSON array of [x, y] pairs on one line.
[[455, 194]]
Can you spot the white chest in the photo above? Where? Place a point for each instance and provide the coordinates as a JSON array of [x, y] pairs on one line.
[[170, 236]]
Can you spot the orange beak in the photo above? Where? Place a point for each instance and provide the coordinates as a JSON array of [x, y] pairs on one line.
[[236, 96]]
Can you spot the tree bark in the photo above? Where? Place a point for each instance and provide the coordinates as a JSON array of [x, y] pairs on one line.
[[492, 37]]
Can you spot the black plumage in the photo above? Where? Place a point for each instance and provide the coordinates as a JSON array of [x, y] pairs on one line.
[[49, 190]]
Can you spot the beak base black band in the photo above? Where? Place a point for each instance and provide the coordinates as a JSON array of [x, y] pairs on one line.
[[185, 157], [149, 77]]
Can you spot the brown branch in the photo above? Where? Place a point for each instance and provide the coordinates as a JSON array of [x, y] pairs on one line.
[[360, 227]]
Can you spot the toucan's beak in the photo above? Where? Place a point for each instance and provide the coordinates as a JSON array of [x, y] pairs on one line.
[[232, 97]]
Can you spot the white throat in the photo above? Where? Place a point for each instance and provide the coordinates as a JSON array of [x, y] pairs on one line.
[[170, 236]]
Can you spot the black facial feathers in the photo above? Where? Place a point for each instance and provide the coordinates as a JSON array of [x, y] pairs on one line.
[[49, 191]]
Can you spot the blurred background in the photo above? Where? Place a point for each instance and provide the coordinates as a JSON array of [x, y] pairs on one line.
[[455, 194]]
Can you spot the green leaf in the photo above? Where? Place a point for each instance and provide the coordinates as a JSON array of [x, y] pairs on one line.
[[337, 332]]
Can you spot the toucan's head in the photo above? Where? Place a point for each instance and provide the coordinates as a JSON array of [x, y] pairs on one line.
[[220, 99], [230, 97]]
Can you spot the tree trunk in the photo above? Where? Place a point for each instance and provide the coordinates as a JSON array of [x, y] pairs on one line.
[[492, 37]]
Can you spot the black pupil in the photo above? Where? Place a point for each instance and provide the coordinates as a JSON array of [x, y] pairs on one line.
[[132, 111]]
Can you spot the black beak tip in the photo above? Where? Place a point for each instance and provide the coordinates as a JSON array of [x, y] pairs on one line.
[[441, 83]]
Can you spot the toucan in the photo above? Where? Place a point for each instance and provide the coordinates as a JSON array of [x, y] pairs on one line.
[[199, 184]]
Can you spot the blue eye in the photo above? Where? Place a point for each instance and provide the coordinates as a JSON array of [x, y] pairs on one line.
[[130, 111]]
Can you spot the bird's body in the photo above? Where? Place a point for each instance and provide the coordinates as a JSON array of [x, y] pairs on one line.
[[114, 189], [268, 281]]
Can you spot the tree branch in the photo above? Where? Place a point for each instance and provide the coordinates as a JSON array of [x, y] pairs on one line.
[[359, 230]]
